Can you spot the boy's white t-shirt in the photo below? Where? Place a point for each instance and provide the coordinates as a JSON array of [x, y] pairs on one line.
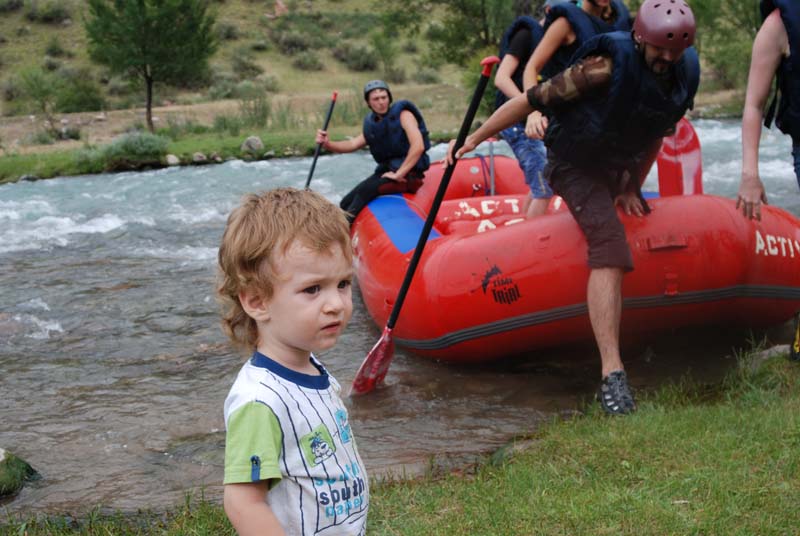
[[292, 429]]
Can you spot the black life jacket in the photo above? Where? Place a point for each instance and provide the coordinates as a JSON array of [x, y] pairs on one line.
[[537, 32], [788, 74], [610, 128], [585, 27], [387, 140]]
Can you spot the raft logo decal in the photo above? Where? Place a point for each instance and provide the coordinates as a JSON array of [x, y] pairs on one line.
[[504, 289], [774, 246]]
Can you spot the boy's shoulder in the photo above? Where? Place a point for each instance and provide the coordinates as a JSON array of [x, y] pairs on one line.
[[263, 380]]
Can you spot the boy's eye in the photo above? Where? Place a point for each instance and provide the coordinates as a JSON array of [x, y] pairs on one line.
[[345, 283], [312, 289]]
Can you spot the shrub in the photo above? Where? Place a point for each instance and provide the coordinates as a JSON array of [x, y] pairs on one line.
[[227, 123], [243, 65], [134, 150], [47, 11], [78, 92], [426, 75], [269, 82], [7, 6], [260, 46], [55, 50], [227, 31], [356, 57], [307, 61], [118, 86], [10, 90], [292, 42], [70, 133], [255, 110], [90, 160], [394, 75], [51, 64], [40, 137]]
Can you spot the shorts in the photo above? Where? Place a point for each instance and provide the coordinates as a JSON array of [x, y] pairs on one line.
[[532, 157], [590, 198]]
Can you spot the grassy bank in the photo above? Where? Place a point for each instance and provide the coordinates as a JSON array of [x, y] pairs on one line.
[[695, 459]]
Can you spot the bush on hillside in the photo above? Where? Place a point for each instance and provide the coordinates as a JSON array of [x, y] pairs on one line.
[[260, 46], [426, 75], [292, 42], [227, 31], [79, 92], [55, 50], [307, 61], [356, 57], [244, 66], [7, 6], [47, 11]]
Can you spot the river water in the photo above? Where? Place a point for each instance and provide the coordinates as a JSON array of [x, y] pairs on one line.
[[113, 369]]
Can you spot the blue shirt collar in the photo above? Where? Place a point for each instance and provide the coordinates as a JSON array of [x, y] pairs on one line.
[[303, 380]]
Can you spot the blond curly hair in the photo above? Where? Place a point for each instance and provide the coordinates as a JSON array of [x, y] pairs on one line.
[[263, 225]]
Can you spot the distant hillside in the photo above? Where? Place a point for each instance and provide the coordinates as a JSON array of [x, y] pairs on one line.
[[296, 47]]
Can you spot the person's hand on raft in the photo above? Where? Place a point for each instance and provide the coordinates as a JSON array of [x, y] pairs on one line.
[[630, 203], [392, 175]]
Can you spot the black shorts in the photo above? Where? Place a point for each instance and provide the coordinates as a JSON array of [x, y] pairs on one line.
[[590, 198]]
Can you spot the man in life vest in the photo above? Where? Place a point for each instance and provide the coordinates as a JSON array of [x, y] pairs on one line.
[[516, 47], [398, 140], [776, 52], [609, 112]]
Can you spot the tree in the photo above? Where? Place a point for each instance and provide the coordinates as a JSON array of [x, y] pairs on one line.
[[460, 27], [166, 41], [40, 90]]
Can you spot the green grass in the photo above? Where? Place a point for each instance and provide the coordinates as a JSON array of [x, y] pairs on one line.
[[695, 459]]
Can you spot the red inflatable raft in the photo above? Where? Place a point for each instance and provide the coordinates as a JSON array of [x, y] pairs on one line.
[[491, 284]]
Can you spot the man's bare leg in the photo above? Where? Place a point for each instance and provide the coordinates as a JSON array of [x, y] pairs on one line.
[[604, 298]]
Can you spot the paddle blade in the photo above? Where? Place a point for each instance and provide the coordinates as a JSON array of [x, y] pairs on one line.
[[375, 366]]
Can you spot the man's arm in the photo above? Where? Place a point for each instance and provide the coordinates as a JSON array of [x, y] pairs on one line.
[[587, 77], [770, 44], [248, 511], [344, 146], [416, 143]]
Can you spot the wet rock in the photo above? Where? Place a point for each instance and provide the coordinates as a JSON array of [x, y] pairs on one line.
[[215, 157], [269, 154], [173, 160], [252, 145], [30, 178], [199, 158], [14, 472]]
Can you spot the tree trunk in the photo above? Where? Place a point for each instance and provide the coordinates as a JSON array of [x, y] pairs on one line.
[[148, 82]]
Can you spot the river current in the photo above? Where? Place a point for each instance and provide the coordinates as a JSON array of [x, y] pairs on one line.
[[113, 368]]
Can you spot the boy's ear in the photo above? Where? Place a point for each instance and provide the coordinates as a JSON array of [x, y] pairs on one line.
[[254, 305]]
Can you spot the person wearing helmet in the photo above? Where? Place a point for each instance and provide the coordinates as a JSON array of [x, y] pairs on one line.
[[516, 47], [398, 140], [566, 28], [776, 52], [609, 112]]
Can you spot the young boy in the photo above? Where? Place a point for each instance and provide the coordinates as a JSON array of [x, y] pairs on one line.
[[291, 463]]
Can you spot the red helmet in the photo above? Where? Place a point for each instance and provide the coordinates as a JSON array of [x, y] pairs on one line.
[[665, 24]]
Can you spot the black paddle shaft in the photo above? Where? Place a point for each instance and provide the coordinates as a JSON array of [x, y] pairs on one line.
[[437, 200], [319, 145]]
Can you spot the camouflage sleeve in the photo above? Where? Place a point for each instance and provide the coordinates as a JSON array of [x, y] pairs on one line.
[[587, 77]]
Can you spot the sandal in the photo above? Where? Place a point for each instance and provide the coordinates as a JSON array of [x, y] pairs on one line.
[[615, 395]]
